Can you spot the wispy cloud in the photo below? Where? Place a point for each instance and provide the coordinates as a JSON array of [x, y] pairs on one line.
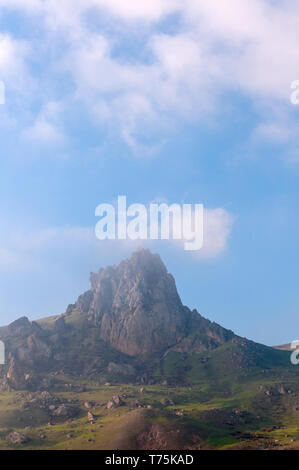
[[36, 249], [174, 77], [46, 128]]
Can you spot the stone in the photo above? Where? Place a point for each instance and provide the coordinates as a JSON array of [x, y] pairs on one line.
[[16, 438], [63, 411], [115, 402], [110, 405]]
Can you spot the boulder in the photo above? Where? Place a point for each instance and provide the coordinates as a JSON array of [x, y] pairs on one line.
[[115, 402], [16, 438], [64, 411]]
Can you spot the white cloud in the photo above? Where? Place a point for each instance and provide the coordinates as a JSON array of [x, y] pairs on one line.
[[169, 78], [250, 47], [30, 5], [217, 229], [129, 10], [35, 249], [279, 127], [254, 43], [42, 131], [46, 128], [13, 69], [136, 10], [12, 259]]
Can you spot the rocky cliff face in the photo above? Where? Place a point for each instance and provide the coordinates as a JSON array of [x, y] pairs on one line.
[[27, 349], [137, 307], [138, 311]]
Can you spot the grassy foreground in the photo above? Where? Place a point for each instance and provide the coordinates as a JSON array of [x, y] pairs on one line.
[[260, 413]]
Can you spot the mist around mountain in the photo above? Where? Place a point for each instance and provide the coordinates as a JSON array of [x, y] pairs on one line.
[[130, 358]]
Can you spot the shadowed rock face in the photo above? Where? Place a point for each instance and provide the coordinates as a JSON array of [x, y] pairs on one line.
[[138, 311], [136, 306]]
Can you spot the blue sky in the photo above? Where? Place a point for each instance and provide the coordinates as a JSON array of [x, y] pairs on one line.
[[180, 101]]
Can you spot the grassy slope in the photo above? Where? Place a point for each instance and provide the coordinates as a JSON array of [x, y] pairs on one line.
[[219, 392], [211, 413]]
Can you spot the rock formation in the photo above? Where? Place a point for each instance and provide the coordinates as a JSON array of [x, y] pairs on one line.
[[138, 311], [131, 316]]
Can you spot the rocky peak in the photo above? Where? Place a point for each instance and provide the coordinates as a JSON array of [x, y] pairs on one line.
[[22, 327], [136, 305], [138, 311], [142, 279]]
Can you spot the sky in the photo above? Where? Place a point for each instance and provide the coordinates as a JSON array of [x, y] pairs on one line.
[[181, 101]]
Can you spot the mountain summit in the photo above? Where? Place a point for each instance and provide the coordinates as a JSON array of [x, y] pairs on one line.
[[138, 311]]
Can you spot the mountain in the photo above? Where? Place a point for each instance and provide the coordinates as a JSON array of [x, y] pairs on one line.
[[130, 326], [138, 311]]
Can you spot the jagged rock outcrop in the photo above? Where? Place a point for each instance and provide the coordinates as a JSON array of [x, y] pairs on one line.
[[136, 305], [138, 311], [22, 327], [27, 350], [15, 375]]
